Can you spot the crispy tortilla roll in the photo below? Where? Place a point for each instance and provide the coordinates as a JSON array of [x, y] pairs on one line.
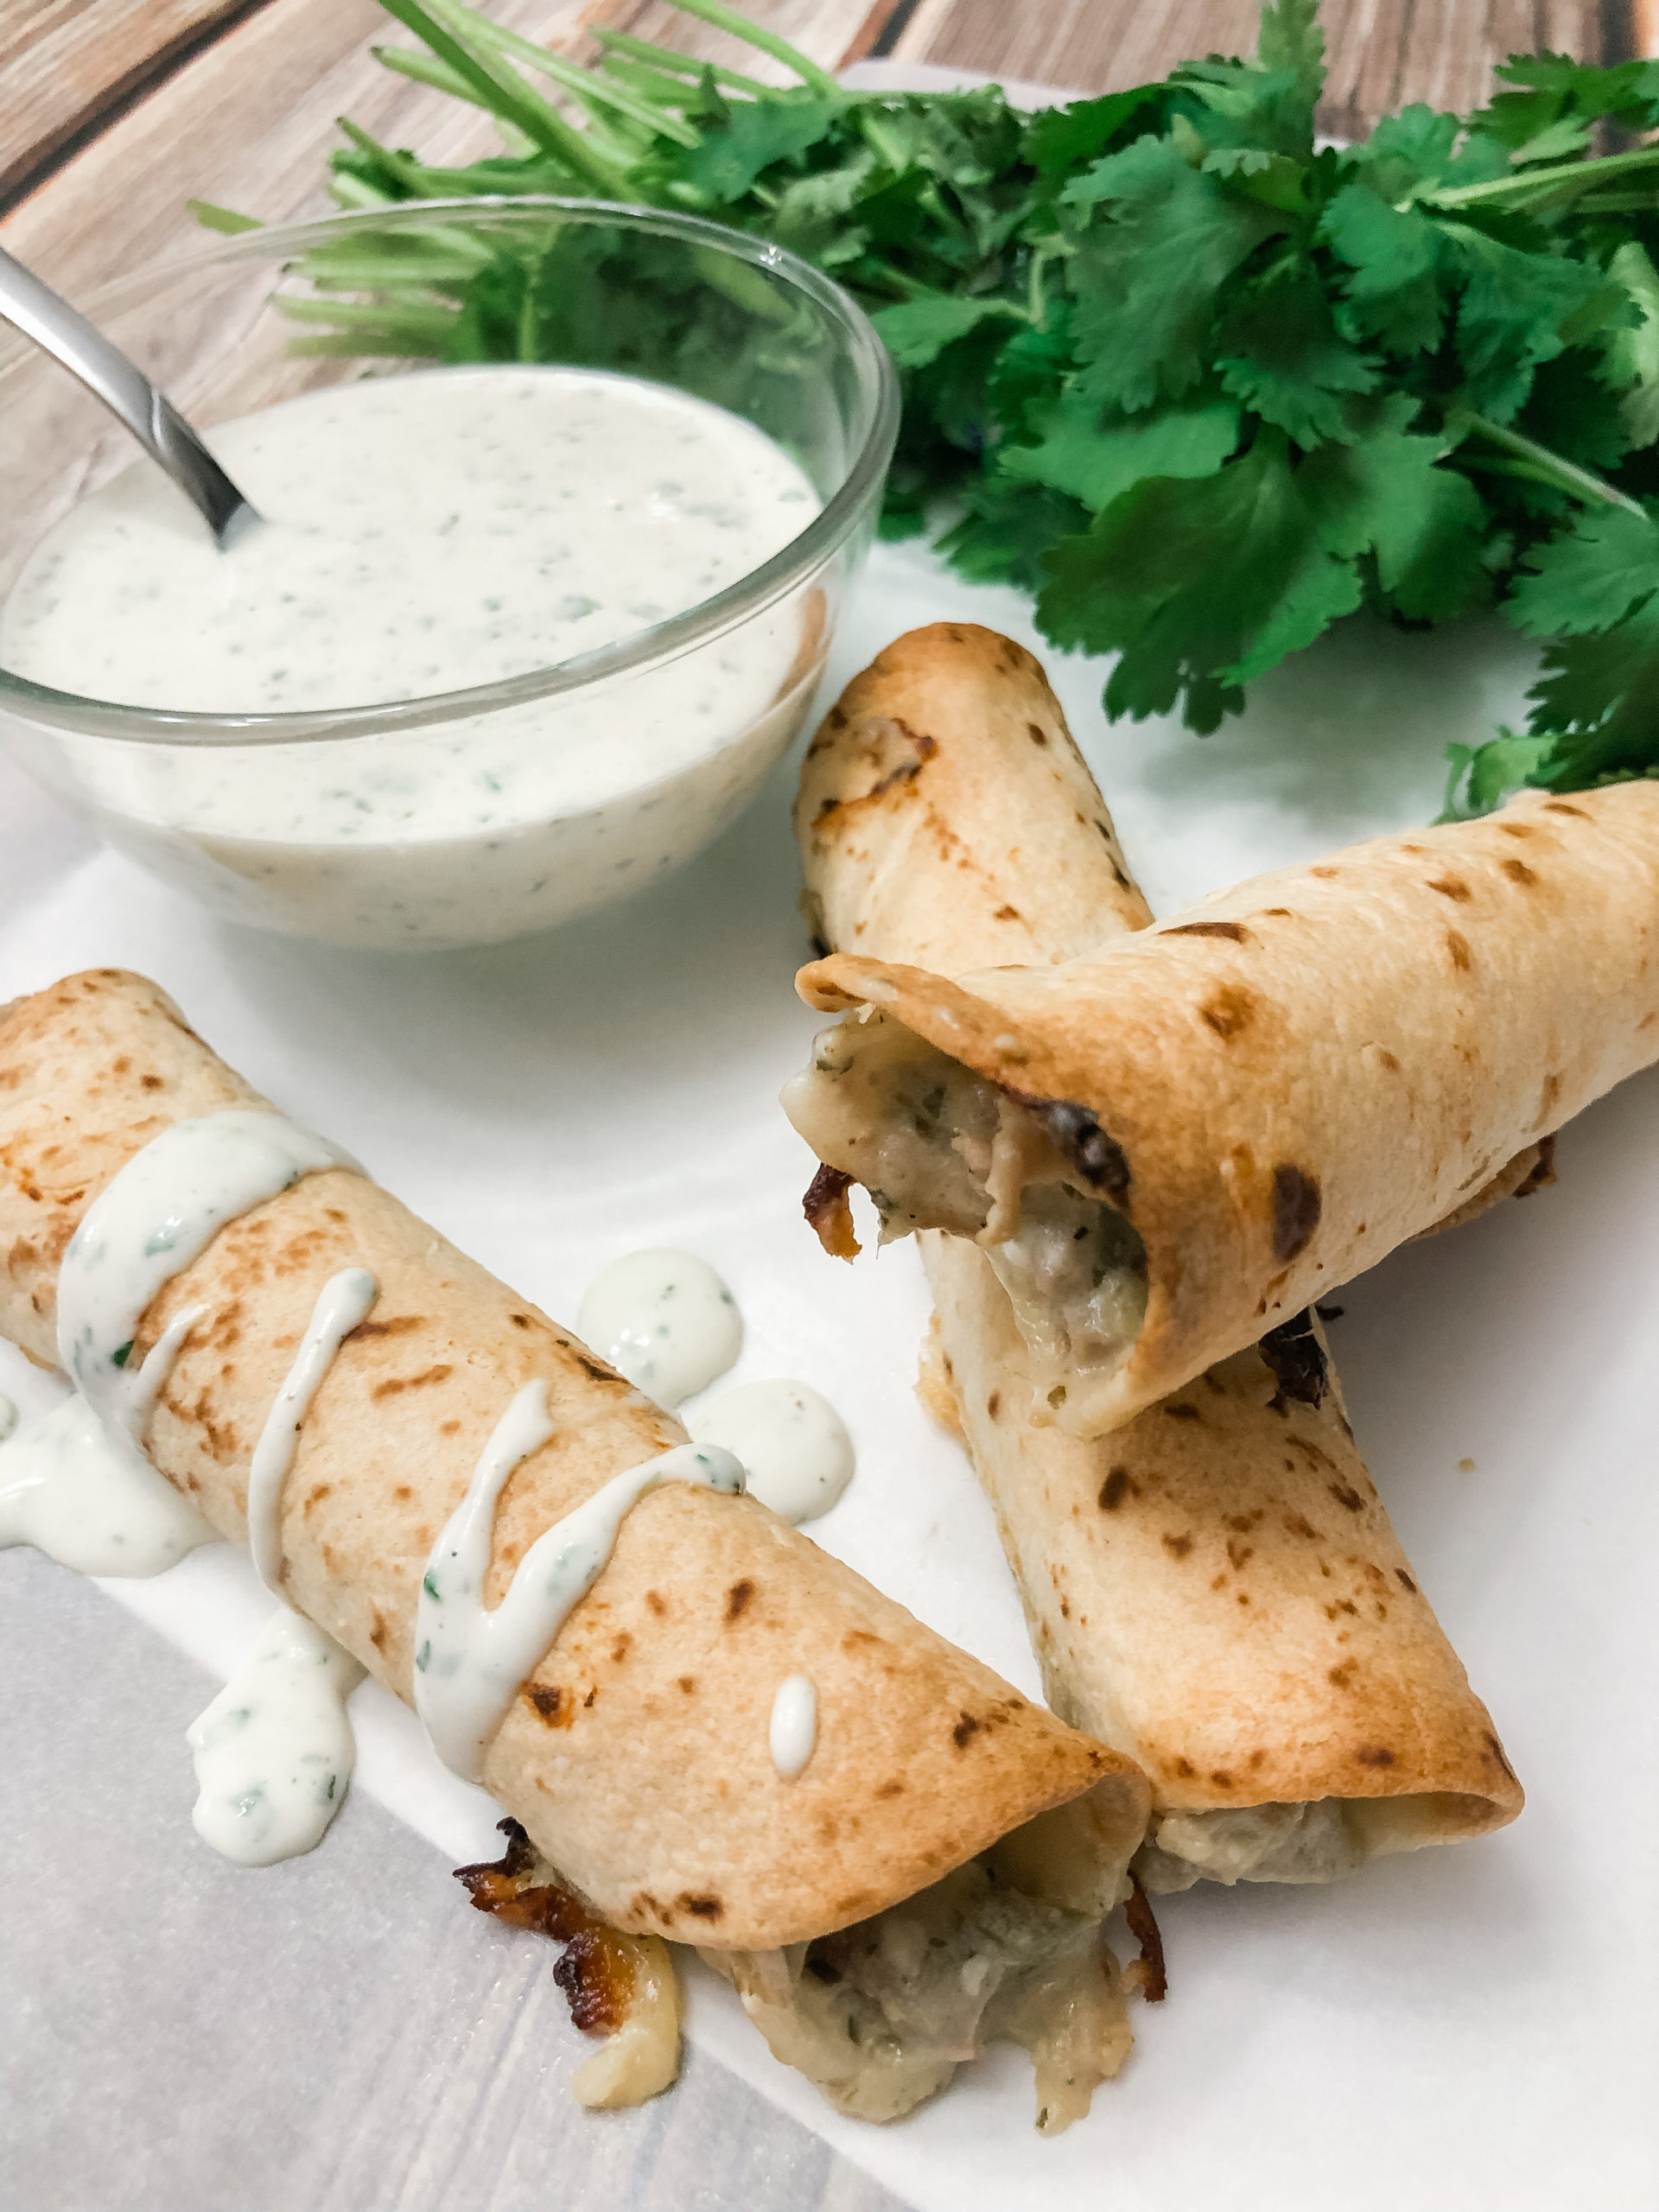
[[636, 1753], [1169, 1144], [1214, 1588]]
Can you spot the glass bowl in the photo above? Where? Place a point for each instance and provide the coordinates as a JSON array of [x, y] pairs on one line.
[[260, 317]]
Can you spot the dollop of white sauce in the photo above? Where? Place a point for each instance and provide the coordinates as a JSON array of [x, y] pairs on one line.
[[86, 1497], [666, 1320], [792, 1441], [794, 1732], [274, 1749], [346, 1301], [470, 1661]]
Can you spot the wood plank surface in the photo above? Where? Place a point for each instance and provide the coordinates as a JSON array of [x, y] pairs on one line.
[[247, 120], [63, 63]]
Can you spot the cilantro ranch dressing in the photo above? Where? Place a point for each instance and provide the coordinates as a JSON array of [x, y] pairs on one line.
[[274, 1749], [470, 1660], [86, 1497], [346, 1300], [793, 1735], [793, 1442], [666, 1320], [423, 534]]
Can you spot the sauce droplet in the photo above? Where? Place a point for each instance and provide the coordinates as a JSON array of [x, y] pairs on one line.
[[345, 1301], [666, 1320], [794, 1734], [792, 1441]]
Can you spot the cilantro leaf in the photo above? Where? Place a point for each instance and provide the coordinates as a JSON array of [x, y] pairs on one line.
[[1093, 460], [917, 331], [1390, 493], [1006, 530], [1632, 362], [759, 133], [1198, 585], [1279, 352], [1058, 139], [1519, 309], [1589, 577], [1145, 279], [1395, 293]]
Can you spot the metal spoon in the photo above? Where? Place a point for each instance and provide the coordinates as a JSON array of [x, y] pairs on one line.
[[128, 393]]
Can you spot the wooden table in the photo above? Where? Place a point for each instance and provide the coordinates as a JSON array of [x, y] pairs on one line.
[[112, 112]]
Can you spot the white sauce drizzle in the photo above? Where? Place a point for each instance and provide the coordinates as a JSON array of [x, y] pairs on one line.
[[792, 1440], [470, 1660], [666, 1320], [159, 1214], [794, 1733], [346, 1301], [275, 1749]]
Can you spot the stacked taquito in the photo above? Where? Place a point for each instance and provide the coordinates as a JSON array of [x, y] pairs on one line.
[[636, 1754], [1214, 1587], [1168, 1143]]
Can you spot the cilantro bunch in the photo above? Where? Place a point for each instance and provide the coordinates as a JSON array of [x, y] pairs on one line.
[[1202, 386]]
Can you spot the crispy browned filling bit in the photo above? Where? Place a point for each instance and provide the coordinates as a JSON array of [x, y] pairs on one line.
[[622, 1987], [1035, 1182]]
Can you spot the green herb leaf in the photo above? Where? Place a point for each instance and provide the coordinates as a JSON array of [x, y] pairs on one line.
[[918, 331], [1095, 459]]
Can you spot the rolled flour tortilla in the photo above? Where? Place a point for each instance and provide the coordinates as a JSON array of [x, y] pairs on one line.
[[635, 1756], [1169, 1143], [1215, 1587]]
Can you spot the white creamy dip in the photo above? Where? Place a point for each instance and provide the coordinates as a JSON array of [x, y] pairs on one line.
[[422, 534], [666, 1320], [274, 1749], [793, 1735], [470, 1661], [793, 1442]]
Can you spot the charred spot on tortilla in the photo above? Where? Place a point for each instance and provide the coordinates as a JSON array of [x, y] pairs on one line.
[[1457, 946], [1374, 1755], [829, 1214], [738, 1597], [1115, 1489], [1518, 872], [1227, 1011], [1453, 888], [1294, 1353], [1234, 932], [1297, 1206]]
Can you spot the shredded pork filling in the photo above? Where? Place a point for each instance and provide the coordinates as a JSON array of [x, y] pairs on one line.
[[881, 2015], [1311, 1842], [937, 1147]]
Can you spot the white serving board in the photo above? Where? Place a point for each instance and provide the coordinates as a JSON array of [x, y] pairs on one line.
[[1471, 2029]]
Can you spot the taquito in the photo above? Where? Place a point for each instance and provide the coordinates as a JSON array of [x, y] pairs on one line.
[[635, 1753], [1171, 1142], [1215, 1588]]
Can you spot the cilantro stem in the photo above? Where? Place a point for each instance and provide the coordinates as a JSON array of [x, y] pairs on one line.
[[1580, 483], [505, 93], [727, 19], [1557, 173], [584, 83], [668, 61]]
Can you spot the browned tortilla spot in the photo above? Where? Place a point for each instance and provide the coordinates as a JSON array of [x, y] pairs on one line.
[[1297, 1206]]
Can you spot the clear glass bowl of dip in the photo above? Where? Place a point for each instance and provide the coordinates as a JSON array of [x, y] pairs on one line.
[[202, 799]]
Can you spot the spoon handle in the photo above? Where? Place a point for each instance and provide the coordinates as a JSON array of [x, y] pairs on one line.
[[63, 332]]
